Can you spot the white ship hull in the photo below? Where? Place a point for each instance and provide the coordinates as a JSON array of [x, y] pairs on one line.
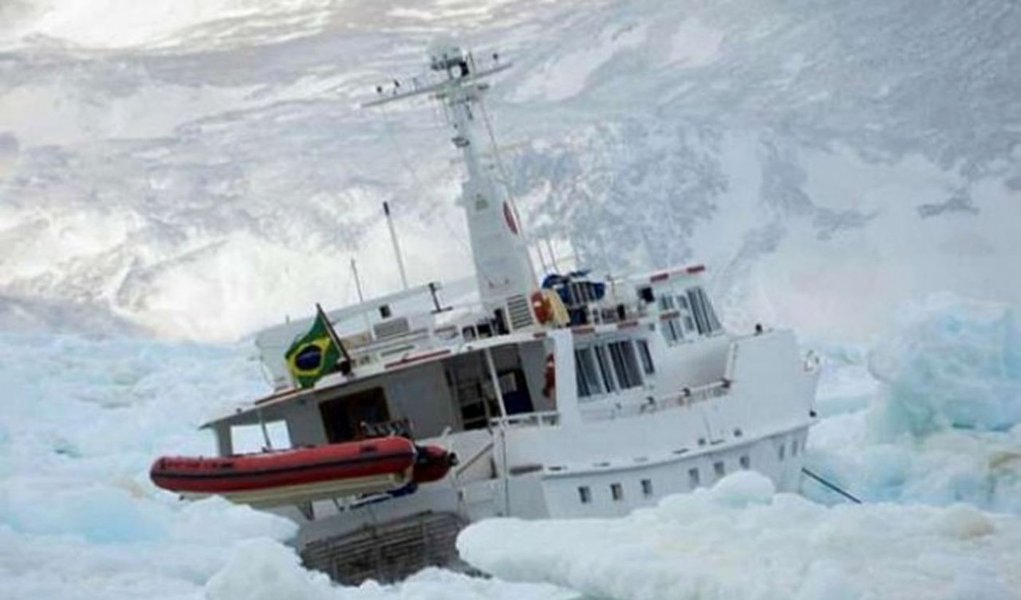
[[569, 398]]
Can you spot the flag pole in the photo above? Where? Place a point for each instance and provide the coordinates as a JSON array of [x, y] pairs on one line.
[[333, 334]]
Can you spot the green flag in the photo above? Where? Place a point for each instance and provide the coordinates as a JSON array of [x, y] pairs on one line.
[[315, 354]]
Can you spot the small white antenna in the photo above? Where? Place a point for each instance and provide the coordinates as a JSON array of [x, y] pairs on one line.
[[542, 259], [552, 255], [361, 298], [397, 246], [358, 281]]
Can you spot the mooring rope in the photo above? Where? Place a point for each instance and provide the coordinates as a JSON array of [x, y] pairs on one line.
[[831, 486]]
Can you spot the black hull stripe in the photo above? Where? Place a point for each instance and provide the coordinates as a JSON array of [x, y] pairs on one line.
[[233, 472]]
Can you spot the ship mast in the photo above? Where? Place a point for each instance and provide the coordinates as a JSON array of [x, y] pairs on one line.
[[503, 267]]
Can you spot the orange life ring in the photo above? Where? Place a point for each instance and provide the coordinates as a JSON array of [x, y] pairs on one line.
[[542, 307]]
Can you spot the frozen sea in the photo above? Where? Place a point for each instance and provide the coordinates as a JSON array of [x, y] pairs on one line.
[[196, 169], [923, 425]]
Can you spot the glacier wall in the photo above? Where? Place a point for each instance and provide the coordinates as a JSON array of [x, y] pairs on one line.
[[199, 169]]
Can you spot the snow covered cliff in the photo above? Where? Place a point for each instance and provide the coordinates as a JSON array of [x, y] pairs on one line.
[[198, 169]]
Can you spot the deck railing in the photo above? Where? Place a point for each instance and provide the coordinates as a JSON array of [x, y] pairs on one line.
[[549, 418], [686, 397]]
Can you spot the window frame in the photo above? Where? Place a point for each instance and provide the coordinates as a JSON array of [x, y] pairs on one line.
[[645, 356], [625, 363], [606, 368], [591, 386]]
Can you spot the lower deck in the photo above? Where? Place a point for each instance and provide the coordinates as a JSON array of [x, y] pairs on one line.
[[398, 536]]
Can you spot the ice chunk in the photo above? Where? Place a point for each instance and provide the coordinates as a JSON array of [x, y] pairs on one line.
[[953, 363], [262, 569], [705, 545], [744, 488]]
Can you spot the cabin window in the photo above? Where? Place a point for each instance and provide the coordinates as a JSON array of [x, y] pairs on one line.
[[250, 438], [686, 318], [345, 418], [694, 478], [604, 369], [585, 494], [746, 462], [586, 373], [781, 451], [616, 492], [647, 488], [719, 468], [672, 330], [698, 309], [643, 352], [625, 364], [794, 447], [705, 317]]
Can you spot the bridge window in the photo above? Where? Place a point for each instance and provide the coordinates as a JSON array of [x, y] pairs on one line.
[[686, 318], [705, 317], [672, 330], [604, 369], [625, 364], [586, 373]]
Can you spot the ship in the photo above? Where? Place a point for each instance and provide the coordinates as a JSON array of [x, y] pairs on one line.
[[553, 395]]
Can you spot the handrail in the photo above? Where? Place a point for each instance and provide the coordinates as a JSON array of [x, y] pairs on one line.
[[475, 458], [537, 419], [686, 397]]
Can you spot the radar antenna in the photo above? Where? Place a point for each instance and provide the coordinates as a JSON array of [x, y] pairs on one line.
[[503, 267]]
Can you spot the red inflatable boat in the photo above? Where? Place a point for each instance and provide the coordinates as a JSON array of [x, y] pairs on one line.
[[304, 474]]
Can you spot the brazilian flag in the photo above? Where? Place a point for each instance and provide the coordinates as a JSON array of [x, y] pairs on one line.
[[315, 354]]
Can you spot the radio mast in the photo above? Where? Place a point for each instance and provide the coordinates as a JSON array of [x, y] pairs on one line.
[[503, 267]]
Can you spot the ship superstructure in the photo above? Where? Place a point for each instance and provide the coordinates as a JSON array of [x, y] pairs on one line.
[[563, 397]]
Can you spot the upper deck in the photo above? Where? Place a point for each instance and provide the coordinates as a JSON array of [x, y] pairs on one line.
[[671, 302]]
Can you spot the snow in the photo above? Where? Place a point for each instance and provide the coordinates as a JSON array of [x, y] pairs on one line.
[[694, 43], [827, 164], [83, 418], [108, 24], [740, 541], [196, 170]]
